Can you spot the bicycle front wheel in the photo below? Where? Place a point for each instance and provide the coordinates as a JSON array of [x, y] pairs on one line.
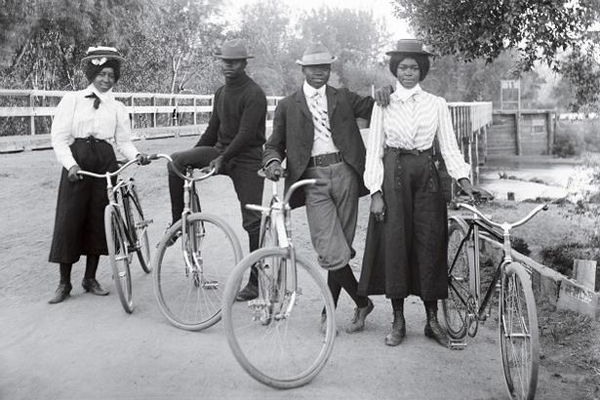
[[190, 275], [140, 226], [519, 337], [118, 253], [455, 307], [277, 338]]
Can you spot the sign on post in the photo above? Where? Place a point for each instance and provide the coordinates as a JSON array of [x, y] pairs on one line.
[[510, 94]]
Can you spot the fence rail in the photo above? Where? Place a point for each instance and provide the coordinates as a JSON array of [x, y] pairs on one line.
[[470, 120]]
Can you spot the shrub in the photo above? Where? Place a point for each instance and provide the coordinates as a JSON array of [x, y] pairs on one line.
[[560, 257]]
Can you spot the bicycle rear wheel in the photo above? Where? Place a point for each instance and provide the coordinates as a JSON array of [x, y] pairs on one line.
[[140, 225], [277, 338], [455, 307], [189, 293], [118, 253], [519, 337]]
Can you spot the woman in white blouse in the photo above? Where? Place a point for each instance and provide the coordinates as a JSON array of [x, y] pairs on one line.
[[406, 245], [85, 126]]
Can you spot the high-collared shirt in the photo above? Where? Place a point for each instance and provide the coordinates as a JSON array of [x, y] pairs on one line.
[[411, 121], [321, 144], [76, 117]]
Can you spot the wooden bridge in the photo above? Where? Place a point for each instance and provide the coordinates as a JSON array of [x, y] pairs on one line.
[[26, 115]]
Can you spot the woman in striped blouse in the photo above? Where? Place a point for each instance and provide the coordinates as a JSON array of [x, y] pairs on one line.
[[406, 246]]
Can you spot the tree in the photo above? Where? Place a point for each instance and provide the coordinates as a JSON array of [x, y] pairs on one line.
[[539, 30]]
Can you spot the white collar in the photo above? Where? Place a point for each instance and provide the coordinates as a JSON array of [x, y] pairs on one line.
[[310, 91], [104, 97], [404, 94]]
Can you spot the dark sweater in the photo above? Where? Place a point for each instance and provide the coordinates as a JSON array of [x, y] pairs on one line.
[[238, 118]]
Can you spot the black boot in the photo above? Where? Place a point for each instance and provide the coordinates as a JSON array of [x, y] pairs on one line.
[[91, 285], [433, 329], [398, 331], [250, 291], [62, 292]]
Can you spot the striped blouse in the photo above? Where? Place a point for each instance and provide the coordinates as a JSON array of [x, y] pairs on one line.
[[76, 117], [411, 121]]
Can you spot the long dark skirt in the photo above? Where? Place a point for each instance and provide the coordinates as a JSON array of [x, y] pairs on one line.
[[407, 252], [79, 223]]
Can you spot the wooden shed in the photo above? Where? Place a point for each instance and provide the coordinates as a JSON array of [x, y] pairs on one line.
[[533, 135]]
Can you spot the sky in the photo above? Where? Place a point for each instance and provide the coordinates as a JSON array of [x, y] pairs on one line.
[[380, 8]]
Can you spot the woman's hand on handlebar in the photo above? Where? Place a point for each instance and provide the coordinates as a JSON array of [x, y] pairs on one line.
[[74, 173], [143, 158]]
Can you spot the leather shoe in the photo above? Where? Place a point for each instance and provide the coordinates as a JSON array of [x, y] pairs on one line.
[[433, 330], [92, 285], [358, 321], [324, 325], [249, 292], [62, 292], [398, 331]]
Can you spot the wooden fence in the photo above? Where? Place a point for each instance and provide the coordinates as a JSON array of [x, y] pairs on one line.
[[160, 115]]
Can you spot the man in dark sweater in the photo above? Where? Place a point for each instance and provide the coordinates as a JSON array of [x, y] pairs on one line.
[[232, 144]]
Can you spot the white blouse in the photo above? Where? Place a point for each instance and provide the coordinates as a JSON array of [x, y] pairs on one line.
[[411, 121], [76, 117]]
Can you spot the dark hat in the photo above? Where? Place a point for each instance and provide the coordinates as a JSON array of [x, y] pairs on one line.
[[99, 55], [233, 50], [316, 54], [413, 46]]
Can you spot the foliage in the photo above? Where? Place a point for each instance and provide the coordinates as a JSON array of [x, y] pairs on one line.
[[560, 256], [538, 30]]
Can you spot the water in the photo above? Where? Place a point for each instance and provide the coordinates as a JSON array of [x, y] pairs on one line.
[[535, 177]]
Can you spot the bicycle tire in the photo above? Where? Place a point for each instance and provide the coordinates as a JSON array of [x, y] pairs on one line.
[[140, 226], [519, 334], [455, 307], [248, 325], [191, 299], [118, 254]]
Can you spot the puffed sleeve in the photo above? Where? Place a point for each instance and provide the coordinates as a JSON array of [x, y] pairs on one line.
[[61, 131], [455, 162], [373, 176], [123, 135]]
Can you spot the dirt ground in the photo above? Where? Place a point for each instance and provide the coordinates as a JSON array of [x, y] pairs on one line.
[[88, 348]]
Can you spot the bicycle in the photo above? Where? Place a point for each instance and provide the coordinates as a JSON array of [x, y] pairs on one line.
[[189, 279], [269, 336], [469, 238], [126, 230]]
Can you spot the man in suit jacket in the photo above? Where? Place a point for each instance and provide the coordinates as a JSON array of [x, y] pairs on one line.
[[315, 129]]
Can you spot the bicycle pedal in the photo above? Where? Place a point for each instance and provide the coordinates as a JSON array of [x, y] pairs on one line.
[[457, 344], [210, 285]]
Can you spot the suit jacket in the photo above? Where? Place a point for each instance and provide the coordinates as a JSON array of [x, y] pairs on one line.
[[293, 133]]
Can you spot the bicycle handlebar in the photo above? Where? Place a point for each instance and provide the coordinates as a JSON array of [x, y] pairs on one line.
[[206, 171], [505, 226], [109, 174]]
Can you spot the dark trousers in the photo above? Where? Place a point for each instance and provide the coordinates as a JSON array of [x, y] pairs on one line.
[[242, 171]]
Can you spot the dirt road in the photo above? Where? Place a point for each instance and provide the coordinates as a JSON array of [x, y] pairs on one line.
[[88, 348]]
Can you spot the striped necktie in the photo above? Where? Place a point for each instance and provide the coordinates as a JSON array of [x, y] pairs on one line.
[[320, 118]]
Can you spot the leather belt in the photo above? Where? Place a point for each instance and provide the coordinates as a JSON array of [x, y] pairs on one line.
[[325, 160], [414, 152]]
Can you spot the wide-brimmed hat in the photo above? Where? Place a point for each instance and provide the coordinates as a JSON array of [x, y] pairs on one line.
[[413, 46], [316, 54], [233, 50], [100, 55]]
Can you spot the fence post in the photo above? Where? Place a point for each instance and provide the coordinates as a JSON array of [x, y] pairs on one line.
[[518, 132], [154, 112], [32, 118], [584, 272]]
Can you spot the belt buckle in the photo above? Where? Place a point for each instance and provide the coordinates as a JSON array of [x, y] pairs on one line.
[[320, 160]]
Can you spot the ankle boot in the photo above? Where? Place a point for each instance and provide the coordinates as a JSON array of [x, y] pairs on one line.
[[433, 329], [62, 292], [358, 321], [398, 332]]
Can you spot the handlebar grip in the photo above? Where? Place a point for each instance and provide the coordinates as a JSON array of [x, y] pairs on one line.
[[320, 182], [153, 157]]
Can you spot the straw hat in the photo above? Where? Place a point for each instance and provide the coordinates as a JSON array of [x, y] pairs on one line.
[[413, 46], [99, 55]]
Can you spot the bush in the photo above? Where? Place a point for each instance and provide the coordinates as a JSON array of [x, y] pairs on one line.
[[566, 146], [560, 257]]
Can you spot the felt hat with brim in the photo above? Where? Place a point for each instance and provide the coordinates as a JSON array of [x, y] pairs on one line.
[[99, 55], [316, 54], [233, 50], [412, 46]]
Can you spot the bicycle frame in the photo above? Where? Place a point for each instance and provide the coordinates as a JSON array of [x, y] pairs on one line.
[[492, 232], [278, 214]]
